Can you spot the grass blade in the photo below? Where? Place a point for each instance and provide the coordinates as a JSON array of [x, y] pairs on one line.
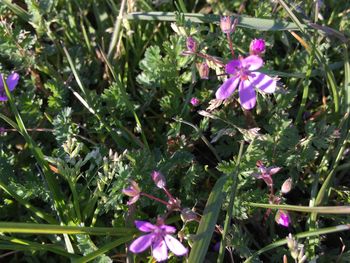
[[30, 228], [246, 22], [208, 222]]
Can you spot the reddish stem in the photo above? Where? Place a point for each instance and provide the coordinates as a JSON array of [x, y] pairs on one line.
[[155, 198], [230, 43], [168, 193]]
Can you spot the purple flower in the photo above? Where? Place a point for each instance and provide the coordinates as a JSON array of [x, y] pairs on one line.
[[191, 45], [133, 191], [243, 74], [226, 24], [194, 101], [282, 218], [257, 47], [159, 239], [266, 173], [12, 81], [158, 179]]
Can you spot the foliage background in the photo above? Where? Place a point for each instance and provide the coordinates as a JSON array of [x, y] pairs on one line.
[[107, 103]]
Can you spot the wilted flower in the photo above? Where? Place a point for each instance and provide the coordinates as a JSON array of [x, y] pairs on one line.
[[266, 173], [158, 179], [194, 101], [133, 191], [257, 47], [12, 81], [191, 44], [226, 24], [159, 239], [244, 74], [203, 70], [282, 218], [286, 186]]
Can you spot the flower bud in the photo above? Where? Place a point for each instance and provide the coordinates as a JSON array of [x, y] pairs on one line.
[[257, 47], [203, 70], [133, 191], [191, 45], [158, 179], [194, 101], [188, 215], [226, 24], [282, 218], [286, 186]]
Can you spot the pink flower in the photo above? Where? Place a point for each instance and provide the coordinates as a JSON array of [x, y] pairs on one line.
[[226, 24], [133, 191], [158, 179], [191, 45], [159, 239], [243, 71], [266, 173], [282, 218], [257, 47], [194, 101], [11, 82]]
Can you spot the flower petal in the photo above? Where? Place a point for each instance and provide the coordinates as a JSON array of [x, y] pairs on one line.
[[247, 95], [168, 229], [231, 66], [141, 244], [227, 88], [263, 82], [133, 200], [160, 250], [12, 81], [144, 226], [252, 62], [175, 245]]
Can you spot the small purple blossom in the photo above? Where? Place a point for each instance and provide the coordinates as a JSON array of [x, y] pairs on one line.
[[158, 179], [12, 81], [226, 24], [282, 218], [191, 45], [133, 191], [257, 47], [195, 101], [243, 71], [203, 70], [159, 239], [266, 173]]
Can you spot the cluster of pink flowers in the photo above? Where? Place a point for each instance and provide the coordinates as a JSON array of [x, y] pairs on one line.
[[158, 235]]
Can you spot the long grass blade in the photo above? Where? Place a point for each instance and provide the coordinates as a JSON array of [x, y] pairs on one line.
[[208, 222]]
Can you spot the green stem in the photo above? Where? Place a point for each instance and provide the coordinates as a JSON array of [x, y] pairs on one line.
[[306, 209], [117, 30], [229, 212]]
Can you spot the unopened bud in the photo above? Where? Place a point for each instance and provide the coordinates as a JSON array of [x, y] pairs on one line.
[[203, 70], [194, 101], [158, 179], [188, 215], [282, 218], [191, 44], [257, 47], [286, 186], [226, 24]]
